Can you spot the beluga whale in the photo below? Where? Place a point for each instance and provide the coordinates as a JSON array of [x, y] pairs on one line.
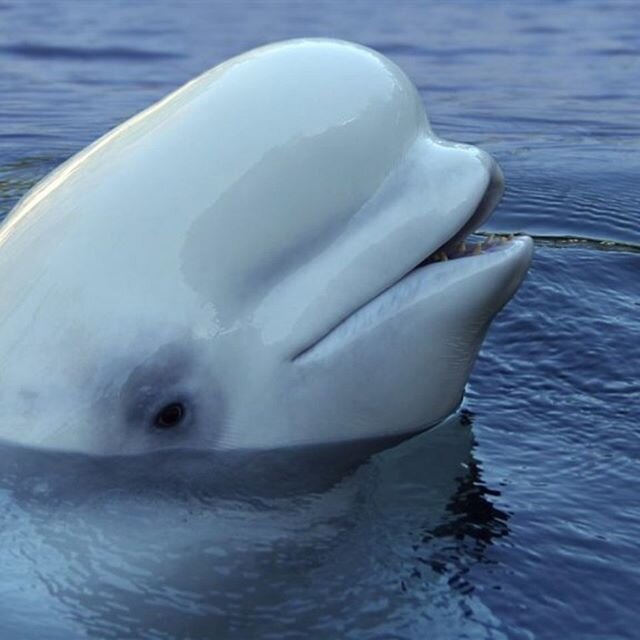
[[273, 256]]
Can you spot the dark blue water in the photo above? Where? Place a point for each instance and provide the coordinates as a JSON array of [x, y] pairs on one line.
[[519, 519]]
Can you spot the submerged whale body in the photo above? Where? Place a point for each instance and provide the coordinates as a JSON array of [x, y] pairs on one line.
[[255, 262]]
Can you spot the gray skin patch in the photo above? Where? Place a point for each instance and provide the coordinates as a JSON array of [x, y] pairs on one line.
[[173, 375]]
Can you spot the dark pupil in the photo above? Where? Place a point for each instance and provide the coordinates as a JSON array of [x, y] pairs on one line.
[[170, 415]]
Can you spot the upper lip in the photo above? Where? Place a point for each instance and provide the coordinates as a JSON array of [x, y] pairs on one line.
[[484, 209]]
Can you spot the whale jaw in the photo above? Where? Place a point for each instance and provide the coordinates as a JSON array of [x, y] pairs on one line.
[[496, 268], [446, 267], [399, 362]]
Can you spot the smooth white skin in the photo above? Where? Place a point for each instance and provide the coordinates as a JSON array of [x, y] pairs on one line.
[[241, 246]]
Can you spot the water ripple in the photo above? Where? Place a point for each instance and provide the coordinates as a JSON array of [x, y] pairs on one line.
[[60, 52], [525, 526]]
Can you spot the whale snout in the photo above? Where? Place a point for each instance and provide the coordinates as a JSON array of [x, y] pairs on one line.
[[487, 172], [435, 293]]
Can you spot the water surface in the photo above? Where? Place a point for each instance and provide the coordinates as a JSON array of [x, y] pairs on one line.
[[518, 519]]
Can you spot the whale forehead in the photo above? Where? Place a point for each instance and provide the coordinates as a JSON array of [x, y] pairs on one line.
[[333, 120], [231, 181]]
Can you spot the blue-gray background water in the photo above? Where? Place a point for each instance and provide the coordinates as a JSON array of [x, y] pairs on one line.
[[521, 518]]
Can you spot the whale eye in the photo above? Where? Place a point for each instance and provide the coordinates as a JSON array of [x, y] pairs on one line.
[[170, 416]]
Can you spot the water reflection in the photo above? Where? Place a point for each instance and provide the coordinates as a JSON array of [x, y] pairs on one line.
[[472, 524], [110, 556]]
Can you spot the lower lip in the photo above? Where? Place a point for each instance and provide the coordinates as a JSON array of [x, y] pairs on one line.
[[415, 280], [469, 249]]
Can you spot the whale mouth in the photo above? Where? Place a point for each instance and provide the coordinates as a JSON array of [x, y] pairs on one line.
[[459, 245], [465, 248], [482, 252]]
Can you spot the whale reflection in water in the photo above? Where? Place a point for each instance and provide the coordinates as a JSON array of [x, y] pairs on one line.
[[369, 548]]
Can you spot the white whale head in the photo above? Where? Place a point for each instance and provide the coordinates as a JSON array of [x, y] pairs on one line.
[[249, 264]]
